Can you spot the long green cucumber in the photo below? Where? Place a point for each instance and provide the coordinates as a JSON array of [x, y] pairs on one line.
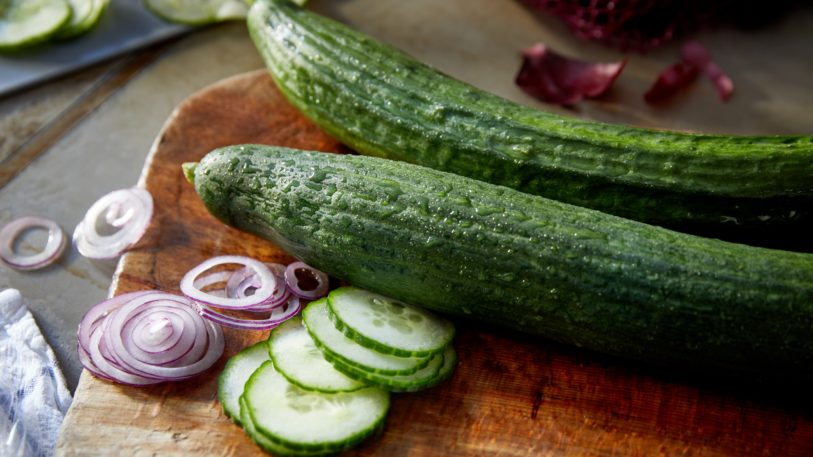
[[469, 248], [382, 102]]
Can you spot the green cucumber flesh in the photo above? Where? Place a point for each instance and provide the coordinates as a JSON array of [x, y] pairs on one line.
[[335, 343], [86, 14], [233, 378], [387, 325], [296, 357], [197, 12], [25, 23], [265, 443], [312, 421], [441, 367], [464, 247], [382, 102]]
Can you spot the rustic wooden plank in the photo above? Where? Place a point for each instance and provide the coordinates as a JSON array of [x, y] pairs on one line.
[[511, 395]]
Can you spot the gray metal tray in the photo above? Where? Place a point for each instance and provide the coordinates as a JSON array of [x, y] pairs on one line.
[[126, 25]]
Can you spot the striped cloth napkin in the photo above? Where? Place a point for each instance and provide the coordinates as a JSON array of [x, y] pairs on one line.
[[33, 394]]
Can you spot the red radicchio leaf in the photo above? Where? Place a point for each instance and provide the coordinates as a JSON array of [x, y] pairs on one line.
[[695, 58], [554, 78]]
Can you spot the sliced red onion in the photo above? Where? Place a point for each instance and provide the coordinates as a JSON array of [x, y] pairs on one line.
[[671, 81], [244, 280], [695, 58], [144, 338], [201, 344], [51, 252], [99, 355], [697, 55], [128, 210], [96, 315], [193, 283], [279, 315], [294, 283], [554, 78]]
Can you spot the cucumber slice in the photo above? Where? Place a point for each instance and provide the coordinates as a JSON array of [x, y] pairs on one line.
[[441, 367], [266, 444], [312, 421], [296, 357], [28, 22], [198, 12], [86, 14], [233, 379], [388, 325], [335, 344]]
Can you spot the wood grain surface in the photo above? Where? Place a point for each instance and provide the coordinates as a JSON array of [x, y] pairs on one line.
[[511, 395]]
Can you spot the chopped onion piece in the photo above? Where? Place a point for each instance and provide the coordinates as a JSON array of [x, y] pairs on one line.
[[554, 78], [697, 54], [193, 283], [128, 210], [51, 252], [292, 279], [278, 315], [671, 81], [695, 58]]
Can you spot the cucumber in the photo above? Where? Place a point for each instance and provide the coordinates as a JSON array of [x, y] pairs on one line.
[[24, 23], [233, 378], [265, 443], [382, 102], [386, 325], [312, 421], [197, 12], [297, 358], [335, 345], [468, 248], [441, 367], [85, 15]]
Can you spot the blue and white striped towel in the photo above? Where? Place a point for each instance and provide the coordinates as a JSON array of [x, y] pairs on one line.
[[33, 394]]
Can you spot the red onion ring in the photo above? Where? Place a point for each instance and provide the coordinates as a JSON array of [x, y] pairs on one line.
[[98, 313], [129, 210], [100, 356], [244, 279], [193, 283], [148, 337], [279, 315], [292, 281], [50, 253]]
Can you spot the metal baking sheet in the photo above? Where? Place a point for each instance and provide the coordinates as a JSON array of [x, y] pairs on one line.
[[126, 26]]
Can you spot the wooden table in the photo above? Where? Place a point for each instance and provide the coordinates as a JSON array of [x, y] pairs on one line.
[[65, 143]]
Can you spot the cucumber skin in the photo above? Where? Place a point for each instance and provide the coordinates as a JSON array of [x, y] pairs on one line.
[[468, 248], [222, 379], [384, 103]]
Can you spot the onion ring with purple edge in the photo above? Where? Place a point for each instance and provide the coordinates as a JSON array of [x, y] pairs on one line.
[[147, 337], [193, 283], [110, 369], [95, 317], [180, 358], [292, 280], [277, 317], [53, 249], [128, 210], [244, 279]]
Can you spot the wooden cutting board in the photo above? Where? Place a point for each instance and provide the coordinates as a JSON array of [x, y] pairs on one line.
[[511, 395]]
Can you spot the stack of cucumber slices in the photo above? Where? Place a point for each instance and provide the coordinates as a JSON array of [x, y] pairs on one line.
[[321, 383], [25, 23]]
